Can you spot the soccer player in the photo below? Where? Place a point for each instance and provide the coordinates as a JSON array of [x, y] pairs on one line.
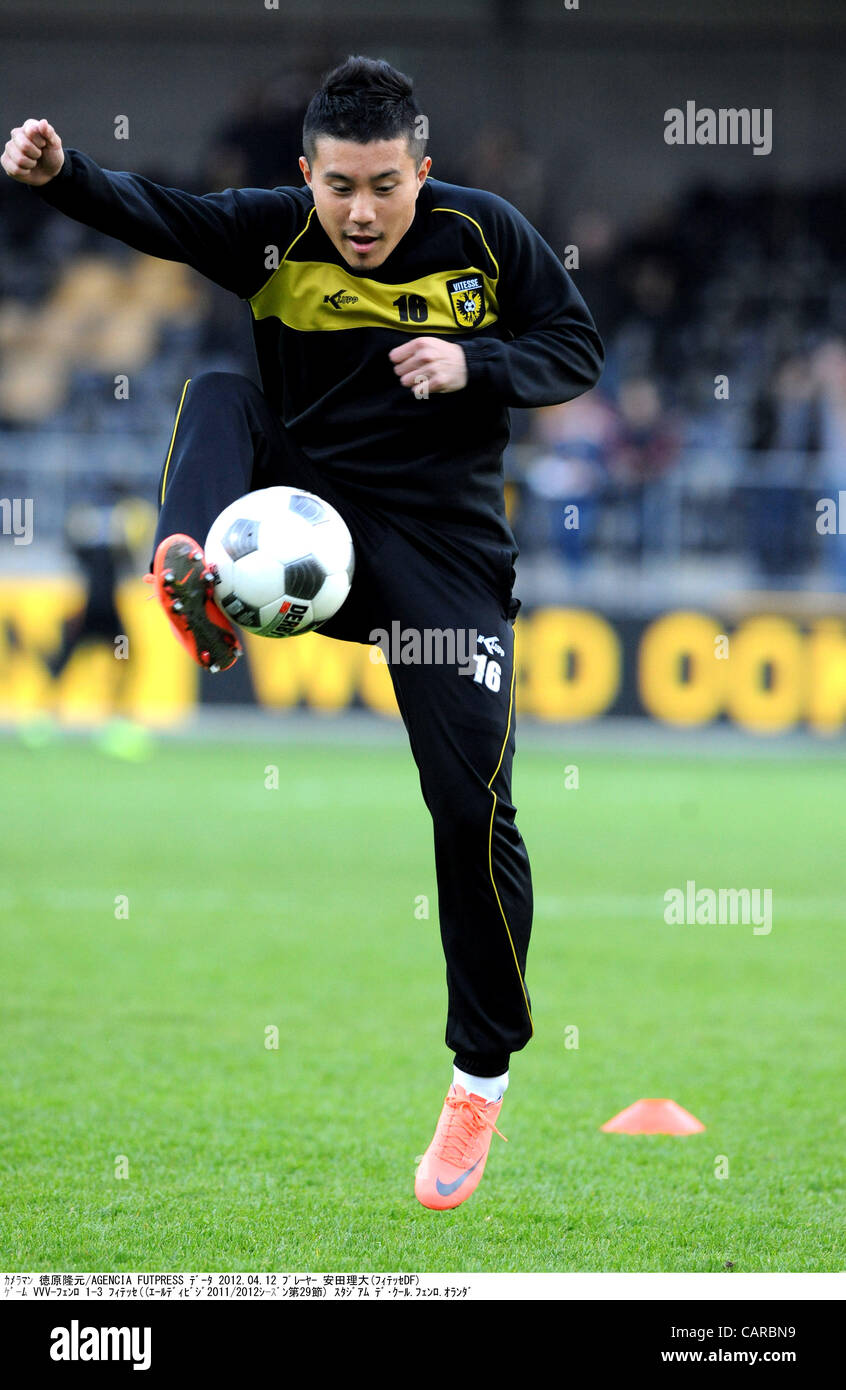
[[395, 319]]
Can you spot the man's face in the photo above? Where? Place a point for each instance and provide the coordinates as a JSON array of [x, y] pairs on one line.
[[365, 195]]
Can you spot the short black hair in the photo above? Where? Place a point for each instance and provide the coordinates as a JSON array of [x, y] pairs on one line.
[[365, 99]]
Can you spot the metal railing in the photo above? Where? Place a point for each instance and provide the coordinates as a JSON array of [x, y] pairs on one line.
[[726, 505]]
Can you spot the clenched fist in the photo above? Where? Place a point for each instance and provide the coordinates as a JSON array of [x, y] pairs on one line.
[[34, 154], [430, 364]]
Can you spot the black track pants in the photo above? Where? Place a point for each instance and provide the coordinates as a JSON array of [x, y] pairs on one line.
[[454, 683]]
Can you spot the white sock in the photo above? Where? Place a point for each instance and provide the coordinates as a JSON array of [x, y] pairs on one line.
[[491, 1087]]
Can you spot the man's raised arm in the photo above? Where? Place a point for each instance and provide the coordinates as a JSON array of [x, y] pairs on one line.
[[225, 236]]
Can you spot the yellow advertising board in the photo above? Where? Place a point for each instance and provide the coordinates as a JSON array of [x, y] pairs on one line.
[[769, 673]]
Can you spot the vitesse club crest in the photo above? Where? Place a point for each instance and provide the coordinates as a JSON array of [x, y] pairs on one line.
[[467, 298]]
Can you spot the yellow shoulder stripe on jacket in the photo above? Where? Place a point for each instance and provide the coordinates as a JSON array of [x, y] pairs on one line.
[[300, 233], [478, 228]]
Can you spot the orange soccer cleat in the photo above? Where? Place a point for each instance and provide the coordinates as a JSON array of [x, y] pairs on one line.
[[184, 585], [452, 1166]]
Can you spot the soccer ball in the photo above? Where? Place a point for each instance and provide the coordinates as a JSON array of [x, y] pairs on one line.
[[284, 561]]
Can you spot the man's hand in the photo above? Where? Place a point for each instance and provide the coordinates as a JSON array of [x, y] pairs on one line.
[[429, 365], [34, 154]]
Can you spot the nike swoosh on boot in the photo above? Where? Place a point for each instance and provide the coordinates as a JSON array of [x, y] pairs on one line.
[[445, 1188]]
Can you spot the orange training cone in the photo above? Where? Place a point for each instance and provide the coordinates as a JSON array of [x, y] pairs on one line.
[[653, 1117]]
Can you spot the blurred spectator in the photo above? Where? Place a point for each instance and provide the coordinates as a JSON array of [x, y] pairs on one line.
[[565, 482], [784, 432], [501, 163], [828, 368], [646, 447], [259, 144], [595, 236], [107, 532], [655, 298]]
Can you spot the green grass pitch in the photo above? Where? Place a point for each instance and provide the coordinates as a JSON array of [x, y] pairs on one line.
[[140, 1040]]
